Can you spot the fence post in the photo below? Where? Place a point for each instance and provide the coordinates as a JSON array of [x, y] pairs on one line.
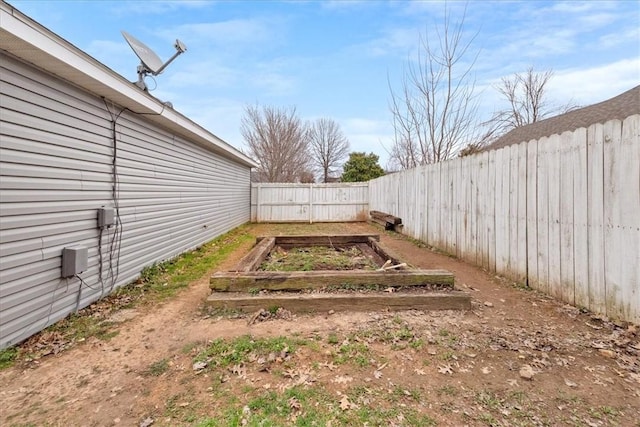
[[310, 203], [258, 219]]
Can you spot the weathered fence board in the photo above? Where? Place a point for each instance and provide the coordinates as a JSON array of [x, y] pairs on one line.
[[595, 218], [543, 214], [580, 209], [533, 279]]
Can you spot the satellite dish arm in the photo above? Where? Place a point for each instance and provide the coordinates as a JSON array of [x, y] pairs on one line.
[[180, 49]]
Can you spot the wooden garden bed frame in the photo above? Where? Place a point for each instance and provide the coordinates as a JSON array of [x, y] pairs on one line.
[[241, 288]]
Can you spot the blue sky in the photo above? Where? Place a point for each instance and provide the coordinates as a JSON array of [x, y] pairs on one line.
[[335, 58]]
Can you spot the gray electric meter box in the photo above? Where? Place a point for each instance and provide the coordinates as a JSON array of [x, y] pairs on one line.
[[106, 217], [74, 261]]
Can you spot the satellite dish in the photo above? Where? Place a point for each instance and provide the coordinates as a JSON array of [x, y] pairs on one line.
[[150, 63]]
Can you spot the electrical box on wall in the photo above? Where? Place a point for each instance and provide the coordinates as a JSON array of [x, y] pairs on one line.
[[106, 217], [74, 261]]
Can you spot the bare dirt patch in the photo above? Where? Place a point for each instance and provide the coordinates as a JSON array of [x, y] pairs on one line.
[[517, 358]]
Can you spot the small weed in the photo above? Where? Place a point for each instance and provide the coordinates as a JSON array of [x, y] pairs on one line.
[[7, 357], [415, 419], [333, 338], [488, 400], [357, 352], [416, 344], [448, 390], [489, 420], [254, 291], [400, 392], [448, 356], [603, 412], [187, 348], [158, 368], [567, 399], [273, 310], [518, 395]]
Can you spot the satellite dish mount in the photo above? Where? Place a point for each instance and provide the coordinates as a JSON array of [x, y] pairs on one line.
[[150, 63]]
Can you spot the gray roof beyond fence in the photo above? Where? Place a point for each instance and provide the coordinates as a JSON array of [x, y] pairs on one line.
[[619, 107]]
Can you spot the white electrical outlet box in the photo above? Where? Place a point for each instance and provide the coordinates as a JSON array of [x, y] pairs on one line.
[[74, 261], [106, 217]]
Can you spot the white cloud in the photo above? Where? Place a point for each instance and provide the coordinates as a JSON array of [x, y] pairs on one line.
[[394, 41], [368, 135], [107, 47], [362, 125], [580, 6], [596, 20], [595, 84], [345, 4], [235, 31], [619, 38], [272, 83], [209, 74], [159, 6], [220, 116]]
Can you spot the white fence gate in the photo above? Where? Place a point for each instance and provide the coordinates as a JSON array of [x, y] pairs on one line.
[[335, 202]]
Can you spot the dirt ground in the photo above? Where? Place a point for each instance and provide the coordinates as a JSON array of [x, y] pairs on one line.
[[517, 358]]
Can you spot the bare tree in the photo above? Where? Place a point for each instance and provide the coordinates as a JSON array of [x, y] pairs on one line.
[[328, 146], [435, 112], [278, 140], [526, 95]]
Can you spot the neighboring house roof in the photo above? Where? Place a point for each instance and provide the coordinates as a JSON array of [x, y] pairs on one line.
[[619, 107], [26, 39]]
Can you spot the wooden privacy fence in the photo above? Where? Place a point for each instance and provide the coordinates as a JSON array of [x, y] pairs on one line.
[[278, 202], [561, 213]]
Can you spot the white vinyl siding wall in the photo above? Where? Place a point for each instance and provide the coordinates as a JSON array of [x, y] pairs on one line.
[[56, 153]]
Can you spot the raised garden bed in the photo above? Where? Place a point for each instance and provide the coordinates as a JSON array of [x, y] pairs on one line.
[[332, 272]]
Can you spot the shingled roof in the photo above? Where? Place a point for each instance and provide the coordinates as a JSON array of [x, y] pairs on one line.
[[619, 107]]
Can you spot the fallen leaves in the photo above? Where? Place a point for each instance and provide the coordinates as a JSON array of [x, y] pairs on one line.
[[342, 379], [199, 366], [345, 404], [446, 369]]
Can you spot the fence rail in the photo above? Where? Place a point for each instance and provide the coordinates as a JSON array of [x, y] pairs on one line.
[[561, 214]]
